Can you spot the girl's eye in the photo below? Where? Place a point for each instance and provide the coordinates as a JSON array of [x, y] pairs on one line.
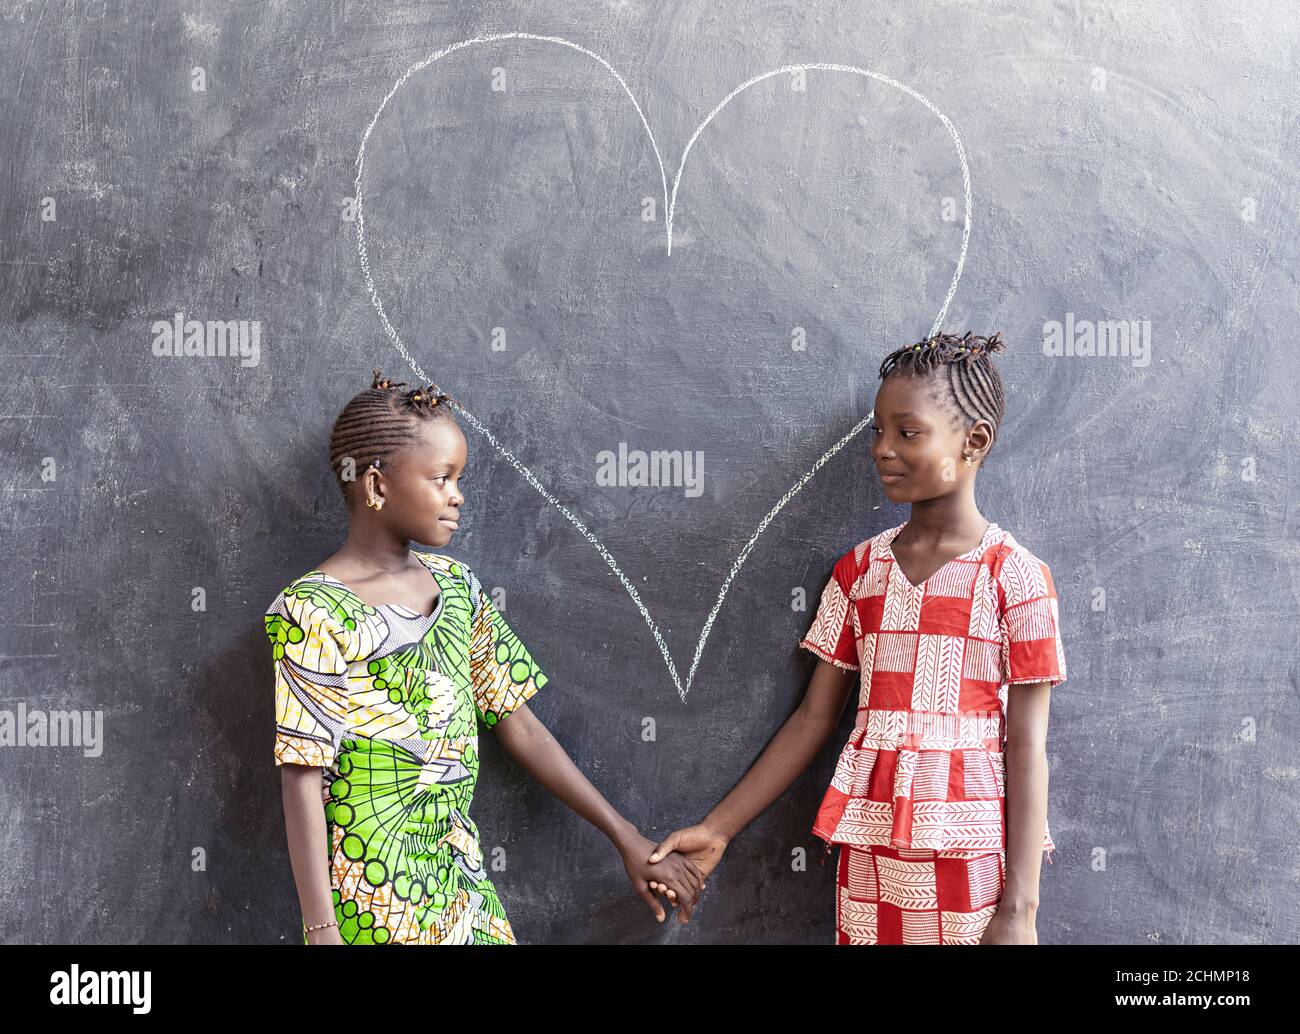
[[908, 434]]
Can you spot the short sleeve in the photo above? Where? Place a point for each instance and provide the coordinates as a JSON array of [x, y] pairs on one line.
[[1030, 621], [503, 672], [831, 636], [311, 682]]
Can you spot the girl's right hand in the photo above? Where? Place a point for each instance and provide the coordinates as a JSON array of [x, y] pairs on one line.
[[327, 935]]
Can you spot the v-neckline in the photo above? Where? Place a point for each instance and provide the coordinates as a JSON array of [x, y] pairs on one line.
[[919, 586], [401, 608]]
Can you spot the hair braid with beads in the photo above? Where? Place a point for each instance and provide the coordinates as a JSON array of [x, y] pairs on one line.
[[380, 422], [965, 364]]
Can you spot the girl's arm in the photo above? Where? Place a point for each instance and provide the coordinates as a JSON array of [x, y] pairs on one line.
[[304, 822], [793, 748], [1026, 789], [531, 744]]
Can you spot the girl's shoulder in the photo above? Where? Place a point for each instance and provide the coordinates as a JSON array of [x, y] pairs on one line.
[[870, 548], [874, 548], [878, 544], [853, 564], [317, 602], [1019, 572], [445, 564], [1009, 547], [448, 565]]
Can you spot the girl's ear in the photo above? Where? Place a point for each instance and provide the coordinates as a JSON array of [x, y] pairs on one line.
[[979, 438], [371, 485]]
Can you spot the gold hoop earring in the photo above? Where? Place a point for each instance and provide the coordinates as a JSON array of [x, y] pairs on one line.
[[375, 505]]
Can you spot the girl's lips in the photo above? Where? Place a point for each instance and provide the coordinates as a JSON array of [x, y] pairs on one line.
[[892, 477]]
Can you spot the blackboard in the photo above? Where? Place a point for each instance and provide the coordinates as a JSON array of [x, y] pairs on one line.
[[1119, 172]]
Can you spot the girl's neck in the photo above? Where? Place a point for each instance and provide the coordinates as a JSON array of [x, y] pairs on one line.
[[374, 548], [949, 517]]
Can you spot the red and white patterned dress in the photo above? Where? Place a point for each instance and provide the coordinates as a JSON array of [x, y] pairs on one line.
[[918, 799]]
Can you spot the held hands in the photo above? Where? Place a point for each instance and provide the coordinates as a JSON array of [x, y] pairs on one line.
[[675, 876], [702, 845]]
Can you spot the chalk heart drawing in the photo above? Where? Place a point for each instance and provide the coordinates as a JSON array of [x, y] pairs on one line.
[[670, 201]]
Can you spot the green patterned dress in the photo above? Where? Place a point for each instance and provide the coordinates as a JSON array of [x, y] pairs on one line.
[[387, 702]]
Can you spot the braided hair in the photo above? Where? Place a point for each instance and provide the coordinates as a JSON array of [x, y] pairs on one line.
[[380, 422], [965, 365]]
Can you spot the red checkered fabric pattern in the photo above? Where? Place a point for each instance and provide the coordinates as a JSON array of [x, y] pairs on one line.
[[886, 895], [924, 767]]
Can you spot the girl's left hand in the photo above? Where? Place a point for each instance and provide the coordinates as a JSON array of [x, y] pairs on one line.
[[681, 877], [1011, 928]]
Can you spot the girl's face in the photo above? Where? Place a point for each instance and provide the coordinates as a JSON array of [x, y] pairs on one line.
[[917, 451], [420, 488]]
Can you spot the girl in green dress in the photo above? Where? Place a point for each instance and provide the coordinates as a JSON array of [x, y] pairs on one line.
[[386, 661]]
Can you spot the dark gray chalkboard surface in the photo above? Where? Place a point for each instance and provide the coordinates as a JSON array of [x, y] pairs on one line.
[[1131, 182]]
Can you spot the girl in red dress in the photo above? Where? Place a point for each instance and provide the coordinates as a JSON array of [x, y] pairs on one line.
[[939, 798]]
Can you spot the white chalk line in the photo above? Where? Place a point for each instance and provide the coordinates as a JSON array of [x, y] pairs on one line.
[[670, 204]]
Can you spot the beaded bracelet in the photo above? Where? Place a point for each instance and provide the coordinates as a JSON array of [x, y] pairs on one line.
[[319, 926]]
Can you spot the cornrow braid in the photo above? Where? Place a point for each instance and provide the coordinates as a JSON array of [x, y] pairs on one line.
[[975, 389], [380, 422]]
